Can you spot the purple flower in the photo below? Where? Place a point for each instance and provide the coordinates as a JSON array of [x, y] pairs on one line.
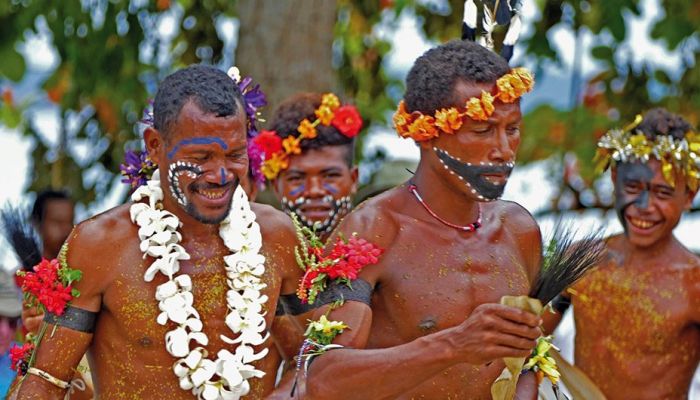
[[147, 118], [255, 157], [137, 168], [254, 98]]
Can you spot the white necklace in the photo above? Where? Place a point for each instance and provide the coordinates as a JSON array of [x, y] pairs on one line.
[[227, 376]]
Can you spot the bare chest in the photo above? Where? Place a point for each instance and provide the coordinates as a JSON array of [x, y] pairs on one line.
[[428, 287], [647, 311]]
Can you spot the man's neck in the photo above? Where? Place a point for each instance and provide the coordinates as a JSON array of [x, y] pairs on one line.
[[447, 201]]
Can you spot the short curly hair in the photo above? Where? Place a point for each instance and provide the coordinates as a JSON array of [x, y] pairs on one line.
[[659, 122], [431, 81], [294, 109], [211, 89]]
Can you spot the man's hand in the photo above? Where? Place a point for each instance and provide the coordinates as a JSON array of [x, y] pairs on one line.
[[31, 319], [494, 331]]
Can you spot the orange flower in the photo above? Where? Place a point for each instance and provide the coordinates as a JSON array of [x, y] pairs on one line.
[[423, 128], [448, 120], [272, 166], [307, 129], [324, 115], [402, 120], [475, 110], [330, 100], [291, 145], [506, 91], [487, 103], [526, 77]]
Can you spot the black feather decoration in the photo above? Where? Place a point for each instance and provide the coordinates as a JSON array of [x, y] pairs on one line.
[[503, 12], [20, 233], [565, 261], [468, 33], [469, 21]]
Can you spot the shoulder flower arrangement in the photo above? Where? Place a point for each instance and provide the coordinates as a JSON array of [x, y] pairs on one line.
[[49, 287], [421, 127], [344, 262], [346, 119], [631, 145], [226, 376]]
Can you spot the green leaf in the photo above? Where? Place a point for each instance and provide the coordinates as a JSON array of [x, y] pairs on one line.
[[602, 52], [12, 65]]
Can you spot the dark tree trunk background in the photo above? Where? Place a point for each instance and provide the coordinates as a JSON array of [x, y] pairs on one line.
[[287, 46]]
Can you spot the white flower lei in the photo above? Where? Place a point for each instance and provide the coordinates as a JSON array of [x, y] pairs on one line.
[[244, 268]]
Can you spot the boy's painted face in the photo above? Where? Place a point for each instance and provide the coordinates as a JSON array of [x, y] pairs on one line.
[[318, 186], [648, 207], [203, 161], [480, 156]]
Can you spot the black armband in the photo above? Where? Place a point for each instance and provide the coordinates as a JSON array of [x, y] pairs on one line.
[[561, 303], [290, 304], [73, 318], [360, 290]]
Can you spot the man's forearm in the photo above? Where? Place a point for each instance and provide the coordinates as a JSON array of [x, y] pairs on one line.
[[377, 373]]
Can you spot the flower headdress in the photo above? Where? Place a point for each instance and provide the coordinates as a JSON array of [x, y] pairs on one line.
[[630, 145], [421, 127], [345, 118], [509, 87], [138, 167]]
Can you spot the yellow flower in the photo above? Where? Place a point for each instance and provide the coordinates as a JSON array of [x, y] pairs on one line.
[[324, 115], [640, 147], [330, 100], [448, 120], [402, 120], [667, 171], [291, 145], [326, 326], [541, 361], [525, 77], [475, 110], [487, 103], [506, 91], [423, 128], [272, 166], [307, 129]]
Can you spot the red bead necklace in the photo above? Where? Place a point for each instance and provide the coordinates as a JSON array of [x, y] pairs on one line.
[[466, 228]]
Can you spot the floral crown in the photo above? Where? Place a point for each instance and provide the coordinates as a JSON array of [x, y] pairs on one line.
[[138, 167], [346, 119], [630, 145], [420, 127]]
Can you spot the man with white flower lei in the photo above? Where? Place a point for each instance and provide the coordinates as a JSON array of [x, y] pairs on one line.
[[182, 285]]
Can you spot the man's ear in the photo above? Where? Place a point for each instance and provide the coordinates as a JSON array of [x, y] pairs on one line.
[[354, 174], [155, 143]]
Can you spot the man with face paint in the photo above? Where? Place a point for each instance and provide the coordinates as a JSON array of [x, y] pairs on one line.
[[198, 141], [637, 315], [430, 321]]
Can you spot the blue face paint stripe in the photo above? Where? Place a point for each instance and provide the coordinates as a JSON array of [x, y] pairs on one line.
[[297, 191], [330, 188], [203, 140], [223, 177]]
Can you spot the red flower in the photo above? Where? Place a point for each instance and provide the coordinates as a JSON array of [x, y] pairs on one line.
[[20, 356], [269, 142], [45, 285], [347, 120]]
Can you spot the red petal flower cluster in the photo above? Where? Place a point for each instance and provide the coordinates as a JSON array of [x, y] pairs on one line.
[[347, 260], [20, 356], [347, 120], [45, 285]]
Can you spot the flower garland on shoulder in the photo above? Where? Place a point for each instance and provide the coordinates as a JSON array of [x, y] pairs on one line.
[[49, 287], [421, 127], [225, 377], [343, 264], [631, 145], [138, 167], [346, 119]]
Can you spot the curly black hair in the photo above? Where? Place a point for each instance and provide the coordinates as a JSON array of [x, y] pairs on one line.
[[431, 81], [294, 109], [659, 121], [211, 89], [42, 199]]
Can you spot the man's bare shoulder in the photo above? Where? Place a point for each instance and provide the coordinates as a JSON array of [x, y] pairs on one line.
[[514, 216], [376, 219], [104, 231], [275, 225]]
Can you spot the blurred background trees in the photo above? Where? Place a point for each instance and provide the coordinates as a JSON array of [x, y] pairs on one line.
[[109, 55]]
